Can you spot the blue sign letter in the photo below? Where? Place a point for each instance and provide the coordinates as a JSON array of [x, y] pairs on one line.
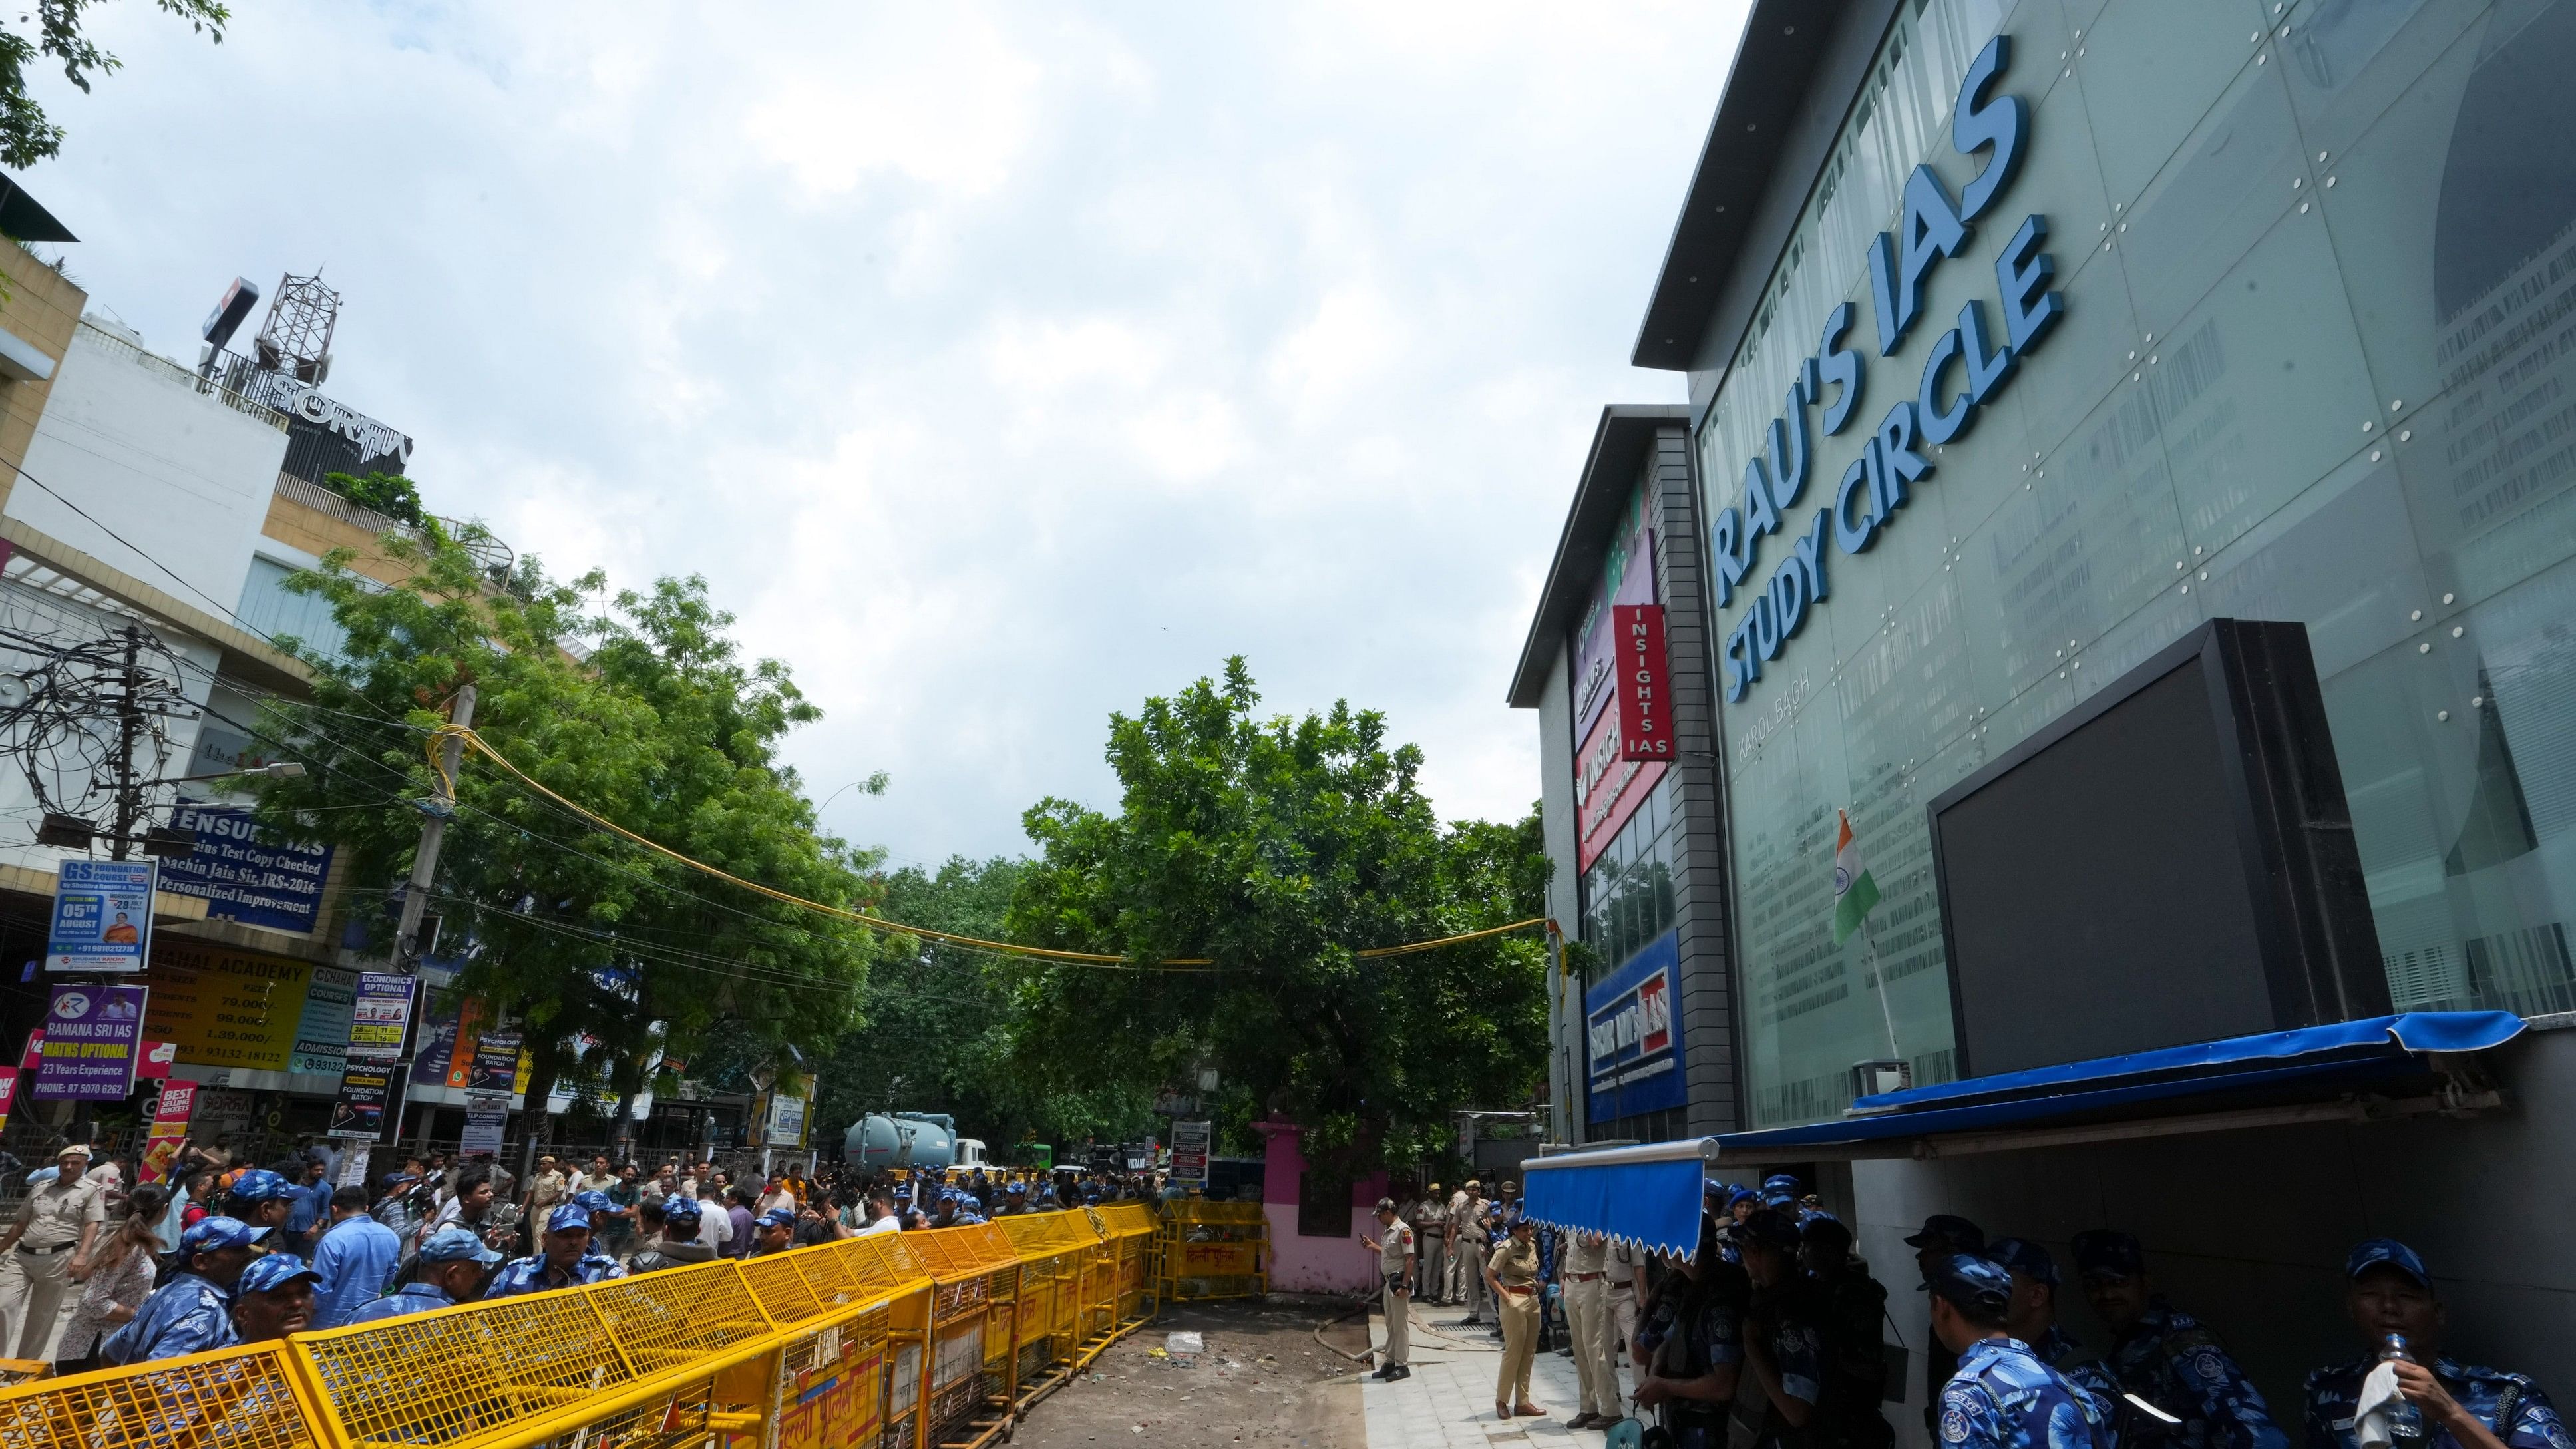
[[2003, 123]]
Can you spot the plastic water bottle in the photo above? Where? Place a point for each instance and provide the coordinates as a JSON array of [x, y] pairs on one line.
[[2405, 1420]]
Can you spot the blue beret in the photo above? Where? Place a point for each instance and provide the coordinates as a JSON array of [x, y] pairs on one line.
[[261, 1185], [1742, 1194], [1769, 1228], [1972, 1282], [1781, 1182], [778, 1218], [595, 1200], [564, 1219], [2375, 1252], [208, 1234], [457, 1245], [2109, 1252], [1947, 1230], [1018, 1188], [682, 1213], [274, 1271], [2025, 1257]]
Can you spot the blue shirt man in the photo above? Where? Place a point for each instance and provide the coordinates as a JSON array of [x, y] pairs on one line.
[[2002, 1396], [354, 1262], [312, 1203], [454, 1265], [566, 1262], [2463, 1405], [2165, 1356], [193, 1311]]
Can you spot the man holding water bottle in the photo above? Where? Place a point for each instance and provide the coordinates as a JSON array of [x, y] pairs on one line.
[[2442, 1404]]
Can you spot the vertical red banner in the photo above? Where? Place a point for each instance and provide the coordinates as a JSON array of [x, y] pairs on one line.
[[1645, 708]]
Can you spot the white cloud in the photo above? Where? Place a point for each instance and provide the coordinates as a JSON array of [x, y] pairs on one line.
[[998, 366]]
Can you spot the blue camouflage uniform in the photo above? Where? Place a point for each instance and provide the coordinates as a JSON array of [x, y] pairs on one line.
[[188, 1314], [532, 1274], [447, 1245], [2168, 1359], [2510, 1405], [2173, 1362], [409, 1298], [2003, 1397], [2079, 1365], [2490, 1394]]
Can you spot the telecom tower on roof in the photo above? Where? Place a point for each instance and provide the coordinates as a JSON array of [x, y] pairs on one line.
[[296, 337]]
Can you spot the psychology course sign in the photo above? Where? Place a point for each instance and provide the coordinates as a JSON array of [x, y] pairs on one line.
[[93, 1039], [1635, 1036], [102, 915], [244, 877]]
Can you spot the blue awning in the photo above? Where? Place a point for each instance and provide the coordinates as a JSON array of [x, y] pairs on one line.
[[1651, 1194]]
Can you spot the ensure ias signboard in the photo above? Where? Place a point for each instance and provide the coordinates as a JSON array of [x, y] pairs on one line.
[[1636, 1041]]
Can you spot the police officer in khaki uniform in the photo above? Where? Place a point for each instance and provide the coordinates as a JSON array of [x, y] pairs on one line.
[[1394, 1246], [47, 1249], [1467, 1248]]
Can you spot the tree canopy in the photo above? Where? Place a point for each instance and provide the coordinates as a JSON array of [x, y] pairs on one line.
[[26, 135], [1280, 847], [594, 941]]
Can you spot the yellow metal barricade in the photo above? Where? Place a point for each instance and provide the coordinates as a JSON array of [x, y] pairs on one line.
[[1132, 1226], [1212, 1250], [899, 1341], [1046, 1335]]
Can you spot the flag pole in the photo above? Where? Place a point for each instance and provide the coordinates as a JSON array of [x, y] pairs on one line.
[[1869, 958]]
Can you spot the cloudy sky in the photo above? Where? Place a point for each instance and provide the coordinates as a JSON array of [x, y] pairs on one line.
[[998, 367]]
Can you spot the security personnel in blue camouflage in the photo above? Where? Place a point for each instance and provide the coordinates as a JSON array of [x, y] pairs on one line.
[[455, 1264], [2002, 1397], [2166, 1357], [193, 1312], [2033, 1320], [2463, 1406], [566, 1262], [265, 1200]]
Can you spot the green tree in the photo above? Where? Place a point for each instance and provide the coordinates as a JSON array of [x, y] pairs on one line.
[[583, 933], [1280, 847], [391, 494], [26, 136], [939, 1025]]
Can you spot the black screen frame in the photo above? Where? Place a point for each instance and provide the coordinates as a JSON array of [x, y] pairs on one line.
[[2212, 648]]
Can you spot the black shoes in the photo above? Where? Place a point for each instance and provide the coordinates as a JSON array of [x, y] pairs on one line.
[[1388, 1373]]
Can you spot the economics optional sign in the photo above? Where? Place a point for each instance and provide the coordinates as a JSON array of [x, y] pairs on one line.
[[1635, 1046]]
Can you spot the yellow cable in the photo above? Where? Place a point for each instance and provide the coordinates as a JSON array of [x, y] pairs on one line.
[[1193, 964]]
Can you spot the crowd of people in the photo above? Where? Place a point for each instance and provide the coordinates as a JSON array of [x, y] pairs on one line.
[[236, 1253], [1768, 1336]]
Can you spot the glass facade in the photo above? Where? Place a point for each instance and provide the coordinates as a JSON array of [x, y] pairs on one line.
[[1627, 895], [2317, 363]]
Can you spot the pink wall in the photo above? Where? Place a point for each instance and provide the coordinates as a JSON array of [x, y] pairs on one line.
[[1313, 1265]]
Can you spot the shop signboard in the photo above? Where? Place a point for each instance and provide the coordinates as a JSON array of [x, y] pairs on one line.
[[495, 1066], [1645, 712], [486, 1115], [1190, 1153], [102, 915], [1635, 1035], [8, 1092], [370, 1098], [228, 1008], [220, 1110], [169, 1129], [242, 876], [786, 1118], [1615, 762], [322, 1030], [380, 1016], [93, 1039]]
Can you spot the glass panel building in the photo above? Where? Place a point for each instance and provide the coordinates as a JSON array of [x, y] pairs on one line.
[[2025, 337]]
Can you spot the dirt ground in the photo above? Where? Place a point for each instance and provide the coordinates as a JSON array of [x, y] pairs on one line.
[[1262, 1379]]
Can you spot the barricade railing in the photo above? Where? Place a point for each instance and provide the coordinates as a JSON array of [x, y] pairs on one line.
[[1212, 1250], [1131, 1226], [894, 1341]]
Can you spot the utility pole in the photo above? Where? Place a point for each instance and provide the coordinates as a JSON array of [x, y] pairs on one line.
[[129, 726], [433, 831]]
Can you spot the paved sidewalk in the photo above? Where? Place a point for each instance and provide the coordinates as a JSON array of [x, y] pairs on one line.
[[1449, 1401]]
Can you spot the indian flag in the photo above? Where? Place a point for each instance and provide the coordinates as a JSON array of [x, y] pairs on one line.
[[1855, 891]]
